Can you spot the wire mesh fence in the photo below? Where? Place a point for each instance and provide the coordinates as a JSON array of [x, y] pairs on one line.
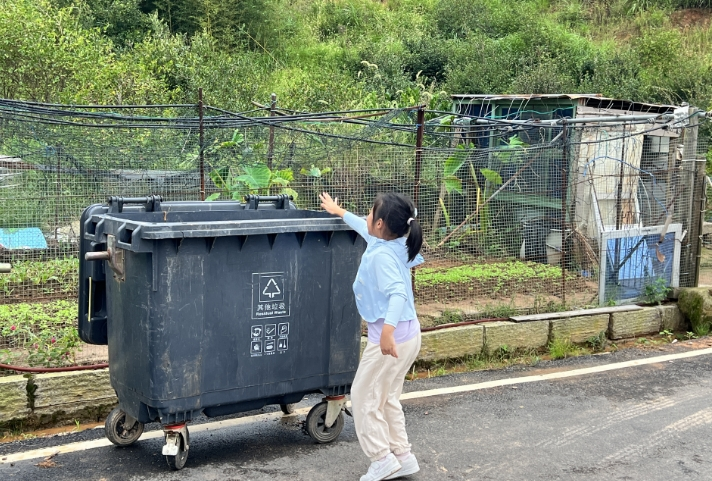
[[516, 217]]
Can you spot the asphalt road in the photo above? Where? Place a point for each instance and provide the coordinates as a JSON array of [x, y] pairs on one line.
[[651, 422]]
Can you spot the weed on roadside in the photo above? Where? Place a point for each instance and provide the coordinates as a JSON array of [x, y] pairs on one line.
[[561, 348]]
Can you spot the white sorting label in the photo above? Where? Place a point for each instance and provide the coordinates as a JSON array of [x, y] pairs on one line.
[[270, 296]]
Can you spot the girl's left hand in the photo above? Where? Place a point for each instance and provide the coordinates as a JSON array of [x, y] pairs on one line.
[[331, 205], [388, 342]]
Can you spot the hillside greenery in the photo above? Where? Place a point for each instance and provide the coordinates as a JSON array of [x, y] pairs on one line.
[[342, 54]]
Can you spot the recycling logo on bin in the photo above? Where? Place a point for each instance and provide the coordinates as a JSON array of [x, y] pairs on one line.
[[270, 299]]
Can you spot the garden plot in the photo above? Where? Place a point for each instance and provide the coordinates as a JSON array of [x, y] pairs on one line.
[[449, 292], [40, 280]]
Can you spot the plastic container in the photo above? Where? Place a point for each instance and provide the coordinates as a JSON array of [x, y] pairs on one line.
[[219, 308]]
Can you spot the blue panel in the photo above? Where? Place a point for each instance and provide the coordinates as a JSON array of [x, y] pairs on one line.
[[27, 238]]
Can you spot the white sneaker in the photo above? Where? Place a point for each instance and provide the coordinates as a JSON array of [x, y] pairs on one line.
[[408, 466], [382, 469]]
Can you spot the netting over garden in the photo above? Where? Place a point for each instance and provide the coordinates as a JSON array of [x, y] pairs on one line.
[[519, 215]]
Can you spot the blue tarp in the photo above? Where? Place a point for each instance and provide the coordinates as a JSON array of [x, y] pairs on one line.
[[26, 238]]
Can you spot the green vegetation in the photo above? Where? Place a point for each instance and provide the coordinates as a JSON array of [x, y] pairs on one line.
[[655, 292], [504, 271], [41, 278], [597, 343], [493, 280], [338, 54], [39, 334], [695, 306], [562, 348], [489, 279]]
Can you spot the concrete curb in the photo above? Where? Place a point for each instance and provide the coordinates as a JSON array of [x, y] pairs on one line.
[[37, 400], [53, 398]]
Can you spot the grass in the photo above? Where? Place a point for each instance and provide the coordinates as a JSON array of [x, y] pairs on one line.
[[563, 348], [500, 358], [702, 330]]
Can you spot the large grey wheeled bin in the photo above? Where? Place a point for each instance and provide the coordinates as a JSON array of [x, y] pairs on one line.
[[219, 308]]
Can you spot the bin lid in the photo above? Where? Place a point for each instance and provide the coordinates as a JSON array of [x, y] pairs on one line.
[[135, 229], [137, 223]]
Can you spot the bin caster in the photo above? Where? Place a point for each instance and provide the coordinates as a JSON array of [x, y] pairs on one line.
[[287, 408], [326, 420], [121, 429], [177, 445]]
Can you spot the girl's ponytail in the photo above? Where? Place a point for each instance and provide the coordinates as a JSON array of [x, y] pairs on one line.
[[415, 239]]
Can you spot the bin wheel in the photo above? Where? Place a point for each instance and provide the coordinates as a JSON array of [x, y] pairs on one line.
[[316, 425], [287, 408], [115, 431], [178, 461]]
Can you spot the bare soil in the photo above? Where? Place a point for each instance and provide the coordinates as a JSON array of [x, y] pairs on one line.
[[691, 17]]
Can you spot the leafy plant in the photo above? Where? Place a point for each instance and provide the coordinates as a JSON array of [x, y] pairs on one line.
[[43, 334], [248, 179], [452, 164], [501, 271], [656, 291], [507, 152], [315, 172], [598, 342], [502, 352], [255, 179], [48, 277], [668, 335], [450, 183]]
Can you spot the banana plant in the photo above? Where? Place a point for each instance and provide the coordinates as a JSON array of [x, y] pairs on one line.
[[492, 178], [451, 183]]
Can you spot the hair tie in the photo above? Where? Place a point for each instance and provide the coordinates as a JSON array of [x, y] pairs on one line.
[[411, 219]]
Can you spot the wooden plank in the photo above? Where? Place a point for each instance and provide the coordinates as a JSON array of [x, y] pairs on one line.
[[578, 313]]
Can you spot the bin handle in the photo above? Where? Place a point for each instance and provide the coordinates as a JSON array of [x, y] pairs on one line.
[[281, 201], [152, 203]]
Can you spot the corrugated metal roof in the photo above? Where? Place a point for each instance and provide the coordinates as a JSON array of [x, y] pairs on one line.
[[588, 98], [525, 96]]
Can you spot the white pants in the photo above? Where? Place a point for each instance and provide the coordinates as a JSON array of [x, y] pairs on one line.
[[375, 393]]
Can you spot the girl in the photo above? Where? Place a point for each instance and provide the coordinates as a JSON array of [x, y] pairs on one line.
[[384, 297]]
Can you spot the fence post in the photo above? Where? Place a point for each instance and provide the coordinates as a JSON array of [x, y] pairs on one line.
[[59, 195], [418, 166], [564, 189], [201, 134], [418, 153], [697, 195], [270, 146]]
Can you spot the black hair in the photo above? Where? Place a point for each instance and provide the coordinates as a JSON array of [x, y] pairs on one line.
[[396, 210]]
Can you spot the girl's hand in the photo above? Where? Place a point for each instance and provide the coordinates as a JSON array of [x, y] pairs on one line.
[[331, 205], [388, 342]]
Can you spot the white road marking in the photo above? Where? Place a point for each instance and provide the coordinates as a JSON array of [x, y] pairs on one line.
[[214, 426], [553, 375]]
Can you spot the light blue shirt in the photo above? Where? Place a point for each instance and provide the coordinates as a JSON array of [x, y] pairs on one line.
[[383, 287]]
